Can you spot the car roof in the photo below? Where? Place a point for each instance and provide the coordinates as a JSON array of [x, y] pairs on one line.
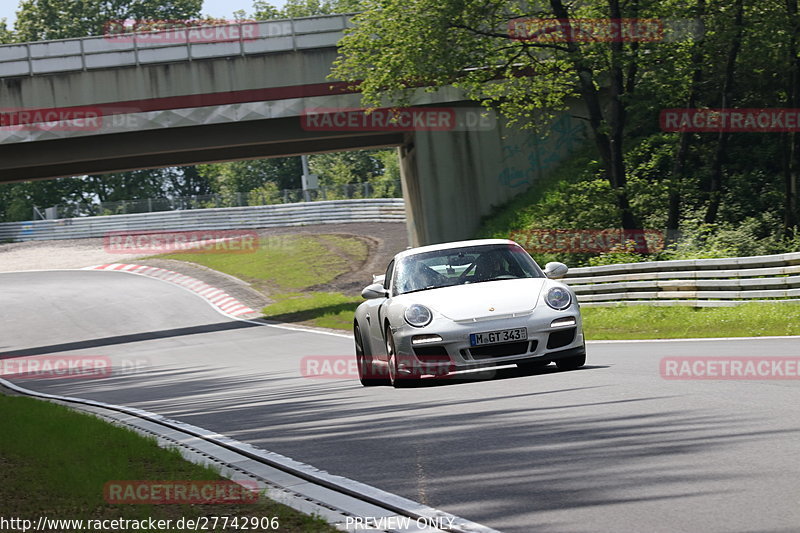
[[451, 245]]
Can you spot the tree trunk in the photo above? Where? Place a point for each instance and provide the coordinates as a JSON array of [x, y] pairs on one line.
[[608, 144], [684, 139], [792, 139], [715, 184]]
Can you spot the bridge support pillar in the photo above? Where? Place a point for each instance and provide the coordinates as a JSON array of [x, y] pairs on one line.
[[452, 179]]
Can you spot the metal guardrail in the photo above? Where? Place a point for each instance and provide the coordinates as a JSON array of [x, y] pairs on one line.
[[693, 282], [266, 216], [118, 50], [346, 191]]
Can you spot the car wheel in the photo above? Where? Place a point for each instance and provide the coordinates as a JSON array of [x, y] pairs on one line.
[[571, 363], [366, 370], [530, 366], [397, 379]]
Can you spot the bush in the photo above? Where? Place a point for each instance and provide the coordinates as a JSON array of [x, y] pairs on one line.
[[576, 195]]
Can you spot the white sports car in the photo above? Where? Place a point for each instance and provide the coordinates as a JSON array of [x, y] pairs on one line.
[[463, 305]]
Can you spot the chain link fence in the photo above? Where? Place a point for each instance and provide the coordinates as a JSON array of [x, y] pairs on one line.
[[263, 196]]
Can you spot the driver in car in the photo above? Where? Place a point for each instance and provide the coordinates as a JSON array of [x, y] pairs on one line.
[[489, 266]]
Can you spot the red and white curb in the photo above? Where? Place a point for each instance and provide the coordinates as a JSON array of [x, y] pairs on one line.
[[218, 298]]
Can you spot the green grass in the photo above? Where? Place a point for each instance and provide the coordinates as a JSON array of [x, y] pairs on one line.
[[55, 462], [333, 310], [324, 309], [288, 268], [285, 263], [644, 322]]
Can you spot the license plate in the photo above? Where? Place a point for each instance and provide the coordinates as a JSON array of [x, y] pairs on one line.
[[497, 337]]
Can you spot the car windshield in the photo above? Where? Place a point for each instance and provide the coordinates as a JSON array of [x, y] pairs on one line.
[[460, 266]]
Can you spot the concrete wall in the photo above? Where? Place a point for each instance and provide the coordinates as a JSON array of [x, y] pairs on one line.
[[453, 179], [178, 79]]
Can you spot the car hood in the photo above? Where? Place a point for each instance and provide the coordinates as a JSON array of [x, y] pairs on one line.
[[474, 301]]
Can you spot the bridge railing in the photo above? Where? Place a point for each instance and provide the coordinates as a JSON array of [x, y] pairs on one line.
[[265, 216], [165, 46], [693, 282]]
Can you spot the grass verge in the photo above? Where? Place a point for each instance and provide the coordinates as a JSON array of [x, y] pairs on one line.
[[286, 262], [290, 268], [323, 309], [643, 322], [599, 323], [54, 462]]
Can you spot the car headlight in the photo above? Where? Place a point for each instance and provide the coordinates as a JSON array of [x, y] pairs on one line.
[[418, 315], [558, 298]]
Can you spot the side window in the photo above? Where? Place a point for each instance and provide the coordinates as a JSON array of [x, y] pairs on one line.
[[387, 281]]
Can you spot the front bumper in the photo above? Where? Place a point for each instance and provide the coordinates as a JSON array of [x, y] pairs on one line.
[[455, 353]]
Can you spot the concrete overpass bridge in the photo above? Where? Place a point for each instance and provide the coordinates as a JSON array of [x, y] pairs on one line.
[[252, 90]]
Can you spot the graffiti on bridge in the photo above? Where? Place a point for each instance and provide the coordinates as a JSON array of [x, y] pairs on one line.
[[565, 134]]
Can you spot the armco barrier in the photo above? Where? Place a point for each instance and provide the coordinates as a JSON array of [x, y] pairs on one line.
[[692, 282], [264, 216]]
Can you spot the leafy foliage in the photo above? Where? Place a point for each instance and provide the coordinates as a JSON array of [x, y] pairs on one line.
[[39, 20]]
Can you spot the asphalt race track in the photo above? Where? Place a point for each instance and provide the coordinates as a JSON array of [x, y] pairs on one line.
[[612, 447]]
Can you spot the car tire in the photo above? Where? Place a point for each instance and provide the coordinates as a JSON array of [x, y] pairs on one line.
[[572, 363], [366, 370], [395, 378], [531, 366]]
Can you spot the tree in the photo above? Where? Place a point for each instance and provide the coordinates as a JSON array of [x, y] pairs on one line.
[[398, 46], [187, 181], [304, 8], [39, 20], [792, 157], [230, 179], [344, 168], [685, 137], [6, 35], [726, 101]]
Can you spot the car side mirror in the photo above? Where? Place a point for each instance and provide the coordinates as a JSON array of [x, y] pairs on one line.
[[373, 291], [555, 270]]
